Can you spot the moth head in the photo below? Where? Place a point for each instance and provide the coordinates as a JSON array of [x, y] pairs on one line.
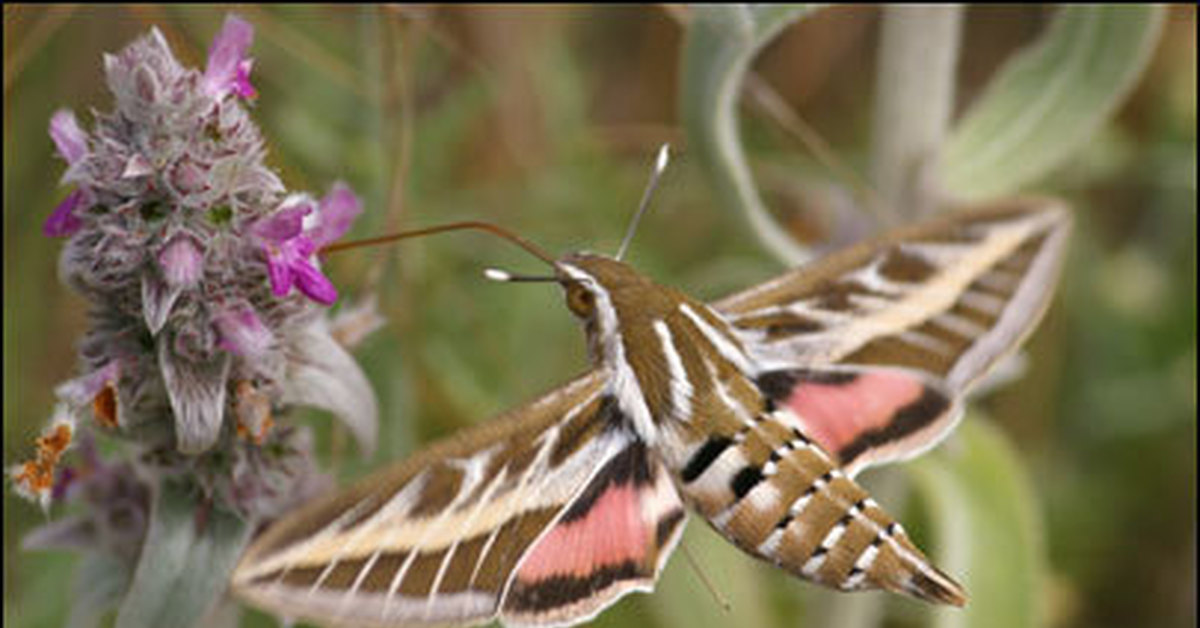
[[581, 299], [583, 288], [598, 285]]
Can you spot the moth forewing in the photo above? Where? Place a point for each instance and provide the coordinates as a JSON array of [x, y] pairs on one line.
[[947, 282], [1036, 266], [943, 301], [544, 516], [458, 515]]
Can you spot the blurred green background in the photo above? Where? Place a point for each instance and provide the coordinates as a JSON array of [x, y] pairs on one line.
[[545, 120]]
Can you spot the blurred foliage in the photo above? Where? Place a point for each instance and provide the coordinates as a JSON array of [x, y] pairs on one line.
[[162, 592], [988, 529], [545, 120], [1050, 97]]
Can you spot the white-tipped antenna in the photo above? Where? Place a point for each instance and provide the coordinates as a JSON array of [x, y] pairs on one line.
[[660, 164], [495, 274]]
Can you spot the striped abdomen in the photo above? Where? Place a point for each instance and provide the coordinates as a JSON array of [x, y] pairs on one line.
[[773, 492]]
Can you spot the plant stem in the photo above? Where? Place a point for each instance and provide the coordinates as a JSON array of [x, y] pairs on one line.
[[914, 99]]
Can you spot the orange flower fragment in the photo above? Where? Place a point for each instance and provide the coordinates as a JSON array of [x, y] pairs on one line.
[[104, 407], [253, 411], [34, 479]]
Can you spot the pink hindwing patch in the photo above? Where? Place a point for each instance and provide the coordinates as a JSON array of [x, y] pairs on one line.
[[864, 416], [838, 412], [611, 533], [614, 539]]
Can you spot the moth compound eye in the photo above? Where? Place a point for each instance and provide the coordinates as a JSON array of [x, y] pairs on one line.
[[580, 300]]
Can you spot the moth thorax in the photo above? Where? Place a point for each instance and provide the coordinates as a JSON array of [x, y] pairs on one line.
[[621, 311]]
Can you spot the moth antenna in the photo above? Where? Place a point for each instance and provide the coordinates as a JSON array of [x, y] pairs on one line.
[[495, 274], [695, 565], [475, 225], [660, 164]]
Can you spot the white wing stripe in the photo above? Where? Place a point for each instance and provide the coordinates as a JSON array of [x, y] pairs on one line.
[[550, 437], [999, 280], [986, 303], [475, 469], [681, 386], [723, 345], [926, 342]]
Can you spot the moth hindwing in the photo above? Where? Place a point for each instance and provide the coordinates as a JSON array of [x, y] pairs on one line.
[[756, 411]]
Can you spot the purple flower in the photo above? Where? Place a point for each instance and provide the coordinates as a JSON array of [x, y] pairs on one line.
[[66, 478], [290, 248], [339, 208], [68, 137], [241, 80], [172, 214], [242, 331], [228, 69], [290, 263], [63, 221], [71, 142], [287, 222], [289, 252]]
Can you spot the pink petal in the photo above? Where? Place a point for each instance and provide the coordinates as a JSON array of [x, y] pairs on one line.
[[301, 247], [68, 137], [284, 224], [338, 210], [63, 221], [226, 54], [66, 477], [241, 81], [182, 262], [242, 331], [279, 272], [313, 284]]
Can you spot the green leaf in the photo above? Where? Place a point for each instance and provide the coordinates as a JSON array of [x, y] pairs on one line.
[[721, 43], [682, 599], [99, 582], [1049, 98], [183, 569], [987, 528]]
